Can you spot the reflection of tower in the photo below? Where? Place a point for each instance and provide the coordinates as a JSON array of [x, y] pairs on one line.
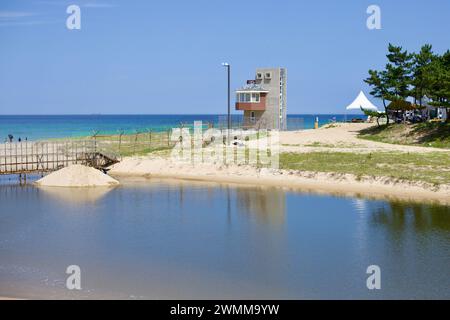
[[181, 197], [266, 204], [228, 206]]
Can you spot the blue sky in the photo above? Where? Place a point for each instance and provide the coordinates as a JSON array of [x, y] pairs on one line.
[[165, 56]]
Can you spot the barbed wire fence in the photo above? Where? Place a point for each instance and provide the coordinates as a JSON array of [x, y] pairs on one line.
[[143, 141]]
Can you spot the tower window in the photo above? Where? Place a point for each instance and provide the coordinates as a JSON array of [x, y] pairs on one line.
[[255, 97], [248, 97]]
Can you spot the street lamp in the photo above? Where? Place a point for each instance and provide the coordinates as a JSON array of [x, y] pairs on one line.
[[227, 65]]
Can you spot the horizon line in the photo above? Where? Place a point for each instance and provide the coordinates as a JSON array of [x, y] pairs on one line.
[[163, 114]]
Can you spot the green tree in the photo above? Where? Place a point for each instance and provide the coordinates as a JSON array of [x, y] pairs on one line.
[[398, 73], [421, 71], [393, 83], [439, 78]]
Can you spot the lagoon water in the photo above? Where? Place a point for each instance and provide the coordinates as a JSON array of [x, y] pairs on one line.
[[175, 239]]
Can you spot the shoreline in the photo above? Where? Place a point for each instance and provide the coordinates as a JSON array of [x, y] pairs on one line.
[[300, 181], [339, 138]]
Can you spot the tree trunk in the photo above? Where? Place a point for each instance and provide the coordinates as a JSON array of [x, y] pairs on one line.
[[386, 110]]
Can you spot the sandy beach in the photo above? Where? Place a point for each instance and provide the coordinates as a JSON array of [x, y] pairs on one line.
[[342, 138]]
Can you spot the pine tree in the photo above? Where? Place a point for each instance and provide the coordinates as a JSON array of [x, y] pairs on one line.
[[421, 73], [439, 77], [393, 83]]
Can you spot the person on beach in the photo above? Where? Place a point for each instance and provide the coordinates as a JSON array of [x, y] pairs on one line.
[[10, 137]]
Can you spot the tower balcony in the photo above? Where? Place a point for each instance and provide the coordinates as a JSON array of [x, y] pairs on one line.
[[251, 106], [251, 100]]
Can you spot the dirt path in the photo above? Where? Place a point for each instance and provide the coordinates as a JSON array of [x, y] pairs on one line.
[[341, 138]]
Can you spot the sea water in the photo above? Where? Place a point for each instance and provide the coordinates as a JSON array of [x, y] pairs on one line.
[[33, 127]]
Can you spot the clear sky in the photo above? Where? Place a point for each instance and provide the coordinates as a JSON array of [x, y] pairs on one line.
[[164, 57]]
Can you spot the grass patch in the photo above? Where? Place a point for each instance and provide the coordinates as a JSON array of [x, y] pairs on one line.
[[433, 168], [336, 145], [421, 134], [320, 144]]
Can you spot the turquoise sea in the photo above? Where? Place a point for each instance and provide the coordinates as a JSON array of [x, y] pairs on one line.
[[34, 127]]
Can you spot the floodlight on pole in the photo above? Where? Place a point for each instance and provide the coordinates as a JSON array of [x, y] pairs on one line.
[[227, 65]]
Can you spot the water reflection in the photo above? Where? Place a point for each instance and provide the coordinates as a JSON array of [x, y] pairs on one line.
[[179, 239], [360, 205], [398, 217], [264, 203], [76, 195]]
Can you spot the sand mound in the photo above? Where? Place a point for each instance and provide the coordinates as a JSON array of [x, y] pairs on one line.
[[77, 176]]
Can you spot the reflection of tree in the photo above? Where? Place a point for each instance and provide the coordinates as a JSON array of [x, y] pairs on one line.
[[266, 204], [400, 216]]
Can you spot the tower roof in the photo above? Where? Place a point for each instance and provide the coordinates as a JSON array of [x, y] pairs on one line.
[[252, 87]]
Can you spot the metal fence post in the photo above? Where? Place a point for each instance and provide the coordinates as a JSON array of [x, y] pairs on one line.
[[150, 137], [120, 139]]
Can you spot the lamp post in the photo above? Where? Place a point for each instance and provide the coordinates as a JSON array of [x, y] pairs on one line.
[[227, 65]]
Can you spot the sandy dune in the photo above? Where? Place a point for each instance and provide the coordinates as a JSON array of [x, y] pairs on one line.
[[77, 176], [341, 137]]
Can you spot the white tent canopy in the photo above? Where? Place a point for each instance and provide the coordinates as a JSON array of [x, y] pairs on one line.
[[361, 101]]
